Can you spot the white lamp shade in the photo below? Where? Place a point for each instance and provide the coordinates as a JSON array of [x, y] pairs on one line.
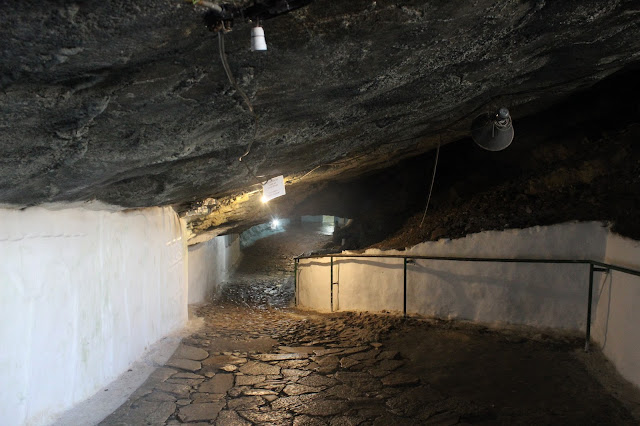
[[258, 43]]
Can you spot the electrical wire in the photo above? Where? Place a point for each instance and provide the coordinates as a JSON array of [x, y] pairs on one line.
[[234, 83], [227, 69], [335, 163], [433, 179]]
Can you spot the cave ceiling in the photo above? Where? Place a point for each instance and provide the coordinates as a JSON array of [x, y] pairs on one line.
[[128, 103]]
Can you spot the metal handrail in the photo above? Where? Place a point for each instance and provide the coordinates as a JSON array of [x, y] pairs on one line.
[[594, 266]]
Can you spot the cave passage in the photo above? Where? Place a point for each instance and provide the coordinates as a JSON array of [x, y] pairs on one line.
[[162, 164], [259, 360]]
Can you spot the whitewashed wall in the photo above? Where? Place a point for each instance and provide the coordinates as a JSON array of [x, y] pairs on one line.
[[616, 318], [210, 264], [258, 232], [82, 295], [544, 295], [313, 286]]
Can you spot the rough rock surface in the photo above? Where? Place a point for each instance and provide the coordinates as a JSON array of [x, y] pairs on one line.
[[128, 103]]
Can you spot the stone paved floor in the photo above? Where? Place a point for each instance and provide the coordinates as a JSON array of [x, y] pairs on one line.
[[258, 361]]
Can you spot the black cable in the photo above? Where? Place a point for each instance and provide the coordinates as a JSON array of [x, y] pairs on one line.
[[232, 80], [433, 179]]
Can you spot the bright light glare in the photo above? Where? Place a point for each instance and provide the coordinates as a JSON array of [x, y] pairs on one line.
[[264, 199], [275, 223]]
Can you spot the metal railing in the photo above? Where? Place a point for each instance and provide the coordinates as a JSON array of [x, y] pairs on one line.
[[594, 266]]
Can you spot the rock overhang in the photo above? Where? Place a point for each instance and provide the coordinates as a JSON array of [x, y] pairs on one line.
[[129, 104]]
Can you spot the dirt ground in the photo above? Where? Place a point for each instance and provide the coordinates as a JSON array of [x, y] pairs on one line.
[[259, 361]]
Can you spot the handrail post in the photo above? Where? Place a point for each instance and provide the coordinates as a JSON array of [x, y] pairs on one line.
[[404, 290], [589, 301], [295, 279], [331, 283]]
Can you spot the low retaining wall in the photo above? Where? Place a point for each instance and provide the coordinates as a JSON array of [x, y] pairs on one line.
[[616, 308], [210, 264], [542, 295]]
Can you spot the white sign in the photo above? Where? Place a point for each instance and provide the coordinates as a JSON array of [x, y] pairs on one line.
[[273, 188]]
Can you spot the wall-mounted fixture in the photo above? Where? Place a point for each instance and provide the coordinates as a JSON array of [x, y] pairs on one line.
[[221, 16], [493, 132]]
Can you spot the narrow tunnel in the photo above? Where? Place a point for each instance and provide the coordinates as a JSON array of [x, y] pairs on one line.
[[309, 212]]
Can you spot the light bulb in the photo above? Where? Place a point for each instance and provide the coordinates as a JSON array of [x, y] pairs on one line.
[[258, 43]]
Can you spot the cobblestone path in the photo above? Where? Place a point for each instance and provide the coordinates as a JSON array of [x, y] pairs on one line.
[[259, 362]]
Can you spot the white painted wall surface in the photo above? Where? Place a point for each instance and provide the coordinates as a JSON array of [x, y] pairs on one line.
[[314, 289], [529, 294], [616, 318], [382, 290], [82, 295], [541, 295], [311, 219], [537, 295], [210, 264]]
